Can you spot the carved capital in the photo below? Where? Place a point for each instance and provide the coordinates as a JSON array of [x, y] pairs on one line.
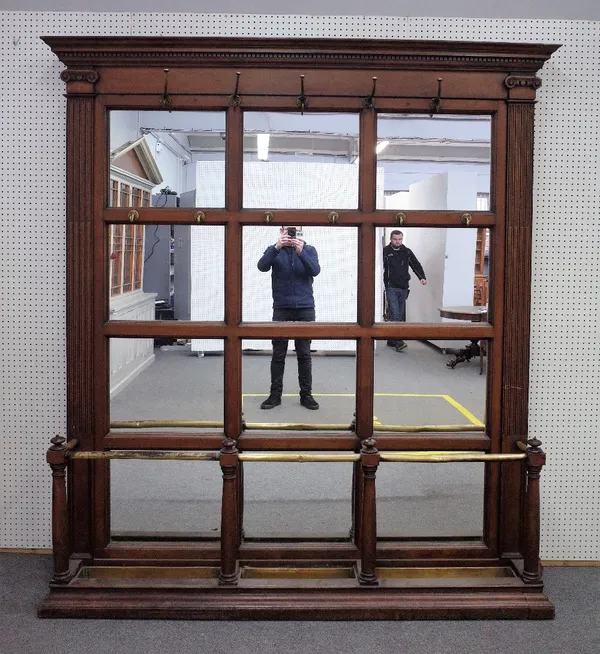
[[523, 81], [72, 75]]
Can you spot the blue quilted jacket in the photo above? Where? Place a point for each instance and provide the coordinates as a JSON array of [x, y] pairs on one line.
[[291, 276]]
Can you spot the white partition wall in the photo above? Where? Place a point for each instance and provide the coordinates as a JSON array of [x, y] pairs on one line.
[[279, 185], [565, 344]]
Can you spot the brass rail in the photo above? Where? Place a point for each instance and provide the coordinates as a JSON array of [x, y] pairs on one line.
[[165, 456], [428, 428], [396, 457], [148, 424], [292, 426], [287, 426], [422, 457], [298, 458]]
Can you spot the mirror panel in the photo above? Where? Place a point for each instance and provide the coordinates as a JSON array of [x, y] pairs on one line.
[[166, 272], [430, 500], [330, 374], [455, 263], [294, 161], [297, 500], [324, 275], [167, 159], [172, 499], [434, 163], [415, 386], [165, 380]]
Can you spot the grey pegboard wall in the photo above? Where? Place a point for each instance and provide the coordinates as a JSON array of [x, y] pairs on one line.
[[565, 349]]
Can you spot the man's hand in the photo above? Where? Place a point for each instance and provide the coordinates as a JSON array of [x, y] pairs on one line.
[[283, 240], [424, 282], [298, 244]]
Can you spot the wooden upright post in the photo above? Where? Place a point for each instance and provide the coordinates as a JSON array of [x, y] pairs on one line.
[[228, 575], [536, 458], [368, 541], [57, 460]]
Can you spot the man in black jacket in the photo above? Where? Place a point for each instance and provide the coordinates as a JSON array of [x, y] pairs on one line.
[[397, 259], [293, 264]]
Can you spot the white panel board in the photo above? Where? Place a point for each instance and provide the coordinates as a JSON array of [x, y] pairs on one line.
[[565, 361]]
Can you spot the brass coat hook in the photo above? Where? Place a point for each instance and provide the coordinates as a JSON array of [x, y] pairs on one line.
[[333, 217], [302, 101], [166, 100], [234, 99], [370, 101], [133, 215], [436, 103]]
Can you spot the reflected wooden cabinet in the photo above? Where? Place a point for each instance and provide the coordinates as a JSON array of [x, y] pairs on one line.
[[377, 562], [480, 294]]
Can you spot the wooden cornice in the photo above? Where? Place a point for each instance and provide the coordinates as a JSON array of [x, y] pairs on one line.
[[86, 51]]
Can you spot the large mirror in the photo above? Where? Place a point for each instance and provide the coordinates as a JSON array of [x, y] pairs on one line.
[[169, 499], [295, 161], [278, 376], [430, 500], [166, 272], [430, 384], [177, 157], [297, 500], [424, 272], [312, 277], [440, 162], [164, 381]]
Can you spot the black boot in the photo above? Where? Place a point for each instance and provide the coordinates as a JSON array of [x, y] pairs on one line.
[[309, 402], [271, 402]]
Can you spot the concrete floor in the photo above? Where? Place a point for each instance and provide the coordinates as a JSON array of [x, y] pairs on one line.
[[413, 387]]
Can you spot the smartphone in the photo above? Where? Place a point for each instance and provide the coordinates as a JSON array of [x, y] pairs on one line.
[[291, 232]]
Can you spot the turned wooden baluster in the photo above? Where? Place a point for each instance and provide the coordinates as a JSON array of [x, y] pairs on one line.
[[536, 458], [228, 575], [57, 460], [368, 526]]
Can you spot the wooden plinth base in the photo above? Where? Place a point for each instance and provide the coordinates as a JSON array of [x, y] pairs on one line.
[[318, 594]]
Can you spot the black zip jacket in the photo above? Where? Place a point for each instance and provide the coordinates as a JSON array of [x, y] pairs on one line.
[[396, 264], [291, 275]]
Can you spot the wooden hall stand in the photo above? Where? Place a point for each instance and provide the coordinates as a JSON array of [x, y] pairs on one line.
[[365, 576]]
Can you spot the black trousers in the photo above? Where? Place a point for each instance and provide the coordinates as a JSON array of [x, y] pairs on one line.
[[280, 347]]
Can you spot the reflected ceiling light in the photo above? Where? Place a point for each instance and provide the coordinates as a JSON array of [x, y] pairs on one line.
[[262, 146], [381, 146]]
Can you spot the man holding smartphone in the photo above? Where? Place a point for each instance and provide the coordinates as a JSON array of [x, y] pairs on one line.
[[293, 265]]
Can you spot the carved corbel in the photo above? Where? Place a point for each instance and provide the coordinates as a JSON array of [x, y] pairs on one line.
[[79, 82], [522, 87]]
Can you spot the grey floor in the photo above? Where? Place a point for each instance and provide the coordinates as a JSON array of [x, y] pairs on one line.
[[576, 629], [411, 388]]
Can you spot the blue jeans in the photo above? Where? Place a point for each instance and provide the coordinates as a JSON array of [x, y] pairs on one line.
[[396, 298]]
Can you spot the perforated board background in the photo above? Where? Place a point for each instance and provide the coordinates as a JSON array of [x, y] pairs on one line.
[[565, 348]]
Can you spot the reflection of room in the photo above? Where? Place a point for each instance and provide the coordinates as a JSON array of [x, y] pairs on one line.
[[291, 161], [411, 388]]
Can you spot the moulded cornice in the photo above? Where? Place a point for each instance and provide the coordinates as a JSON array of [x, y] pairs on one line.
[[314, 53]]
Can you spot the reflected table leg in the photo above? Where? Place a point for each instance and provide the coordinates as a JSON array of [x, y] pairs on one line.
[[466, 354]]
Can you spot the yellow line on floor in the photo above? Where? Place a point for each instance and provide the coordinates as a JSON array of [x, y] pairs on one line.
[[459, 407], [466, 413], [353, 394]]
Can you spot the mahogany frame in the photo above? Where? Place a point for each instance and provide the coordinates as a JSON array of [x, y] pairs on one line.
[[105, 73]]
